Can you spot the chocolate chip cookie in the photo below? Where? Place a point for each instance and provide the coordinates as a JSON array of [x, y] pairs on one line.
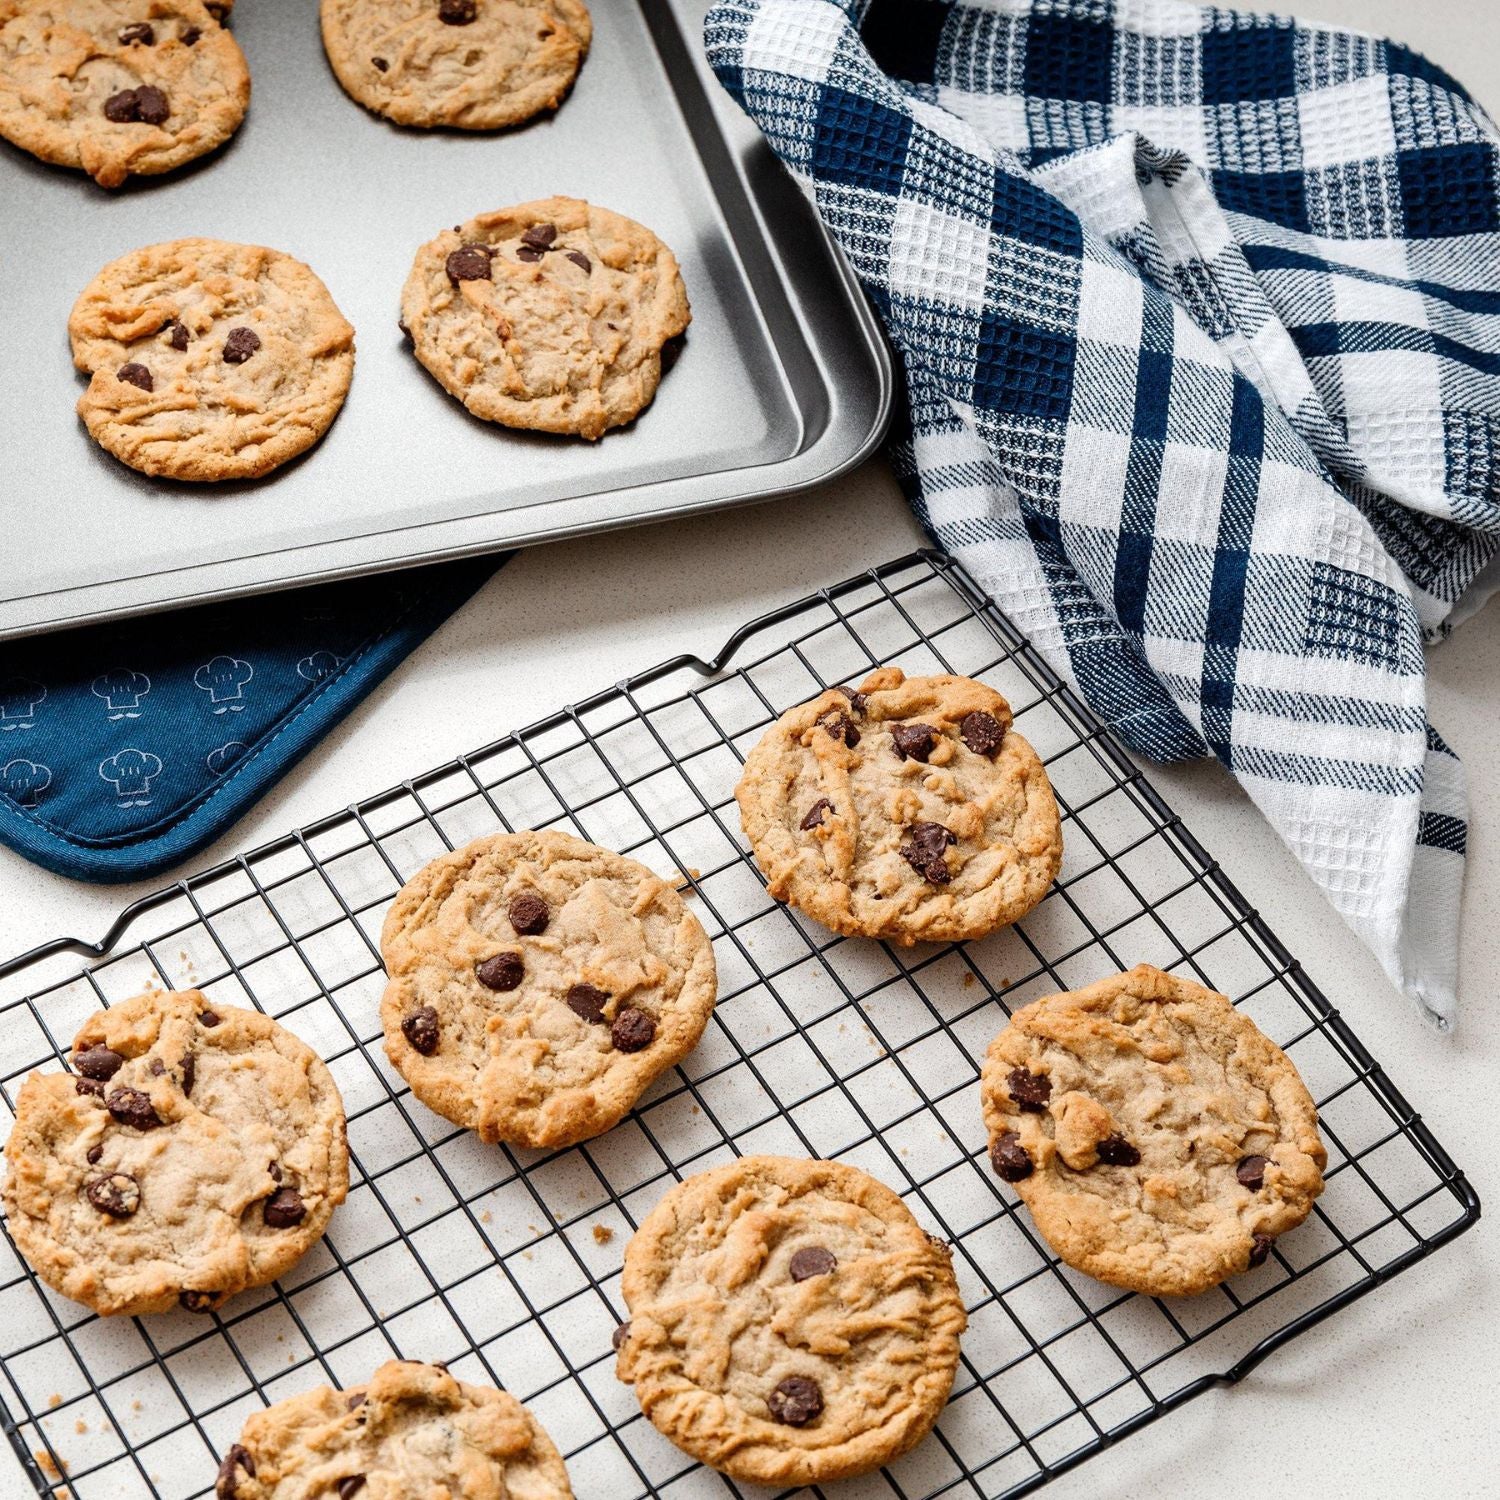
[[1161, 1141], [413, 1430], [118, 87], [790, 1322], [909, 810], [473, 64], [209, 360], [195, 1150], [550, 316], [538, 984]]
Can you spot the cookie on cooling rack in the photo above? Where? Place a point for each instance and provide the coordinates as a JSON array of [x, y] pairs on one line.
[[909, 810], [550, 316], [412, 1430], [1161, 1141], [790, 1321], [196, 1149], [118, 87], [210, 360], [538, 984], [468, 64]]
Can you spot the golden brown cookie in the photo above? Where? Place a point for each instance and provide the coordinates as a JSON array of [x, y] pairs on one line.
[[539, 984], [473, 64], [412, 1432], [196, 1150], [118, 87], [909, 810], [210, 360], [790, 1321], [1161, 1141], [550, 316]]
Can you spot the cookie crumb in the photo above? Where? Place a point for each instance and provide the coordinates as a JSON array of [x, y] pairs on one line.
[[80, 1427], [45, 1462], [54, 1399], [968, 979], [603, 1234]]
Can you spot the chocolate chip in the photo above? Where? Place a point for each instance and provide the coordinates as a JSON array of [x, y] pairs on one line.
[[924, 851], [217, 11], [981, 732], [1029, 1091], [132, 1107], [189, 1066], [95, 1152], [587, 1001], [380, 63], [98, 1062], [240, 345], [813, 1261], [457, 12], [177, 335], [88, 1086], [502, 972], [528, 915], [526, 253], [284, 1209], [816, 813], [420, 1028], [157, 1067], [914, 741], [137, 31], [840, 727], [151, 106], [1116, 1151], [201, 1302], [795, 1401], [190, 35], [208, 1018], [122, 108], [351, 1486], [580, 260], [356, 1400], [618, 1337], [633, 1031], [118, 1194], [1010, 1158], [136, 375], [236, 1462], [1260, 1248], [1251, 1172], [857, 701], [469, 262], [540, 236]]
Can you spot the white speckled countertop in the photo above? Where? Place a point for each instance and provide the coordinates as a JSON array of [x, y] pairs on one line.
[[1403, 1387]]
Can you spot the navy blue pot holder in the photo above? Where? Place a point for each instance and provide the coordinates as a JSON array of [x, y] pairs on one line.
[[126, 747]]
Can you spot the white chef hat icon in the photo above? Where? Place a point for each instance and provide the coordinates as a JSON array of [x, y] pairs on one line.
[[24, 781], [223, 679], [122, 692], [131, 772], [19, 698]]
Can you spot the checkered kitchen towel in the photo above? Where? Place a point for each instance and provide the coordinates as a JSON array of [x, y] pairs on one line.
[[1200, 319]]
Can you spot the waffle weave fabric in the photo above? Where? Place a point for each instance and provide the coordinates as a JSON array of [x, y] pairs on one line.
[[1199, 315]]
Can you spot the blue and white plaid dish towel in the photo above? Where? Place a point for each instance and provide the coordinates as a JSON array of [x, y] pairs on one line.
[[1200, 319]]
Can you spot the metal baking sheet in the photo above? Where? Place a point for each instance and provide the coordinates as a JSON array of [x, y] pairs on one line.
[[782, 380]]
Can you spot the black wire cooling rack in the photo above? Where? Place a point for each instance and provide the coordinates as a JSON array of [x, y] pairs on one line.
[[505, 1264]]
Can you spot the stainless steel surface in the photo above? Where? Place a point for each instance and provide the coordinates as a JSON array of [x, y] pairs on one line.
[[782, 381]]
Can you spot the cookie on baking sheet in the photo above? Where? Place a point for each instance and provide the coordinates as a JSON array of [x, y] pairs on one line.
[[412, 1431], [909, 810], [118, 87], [1161, 1141], [550, 316], [196, 1149], [790, 1321], [473, 64], [538, 984], [209, 360]]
